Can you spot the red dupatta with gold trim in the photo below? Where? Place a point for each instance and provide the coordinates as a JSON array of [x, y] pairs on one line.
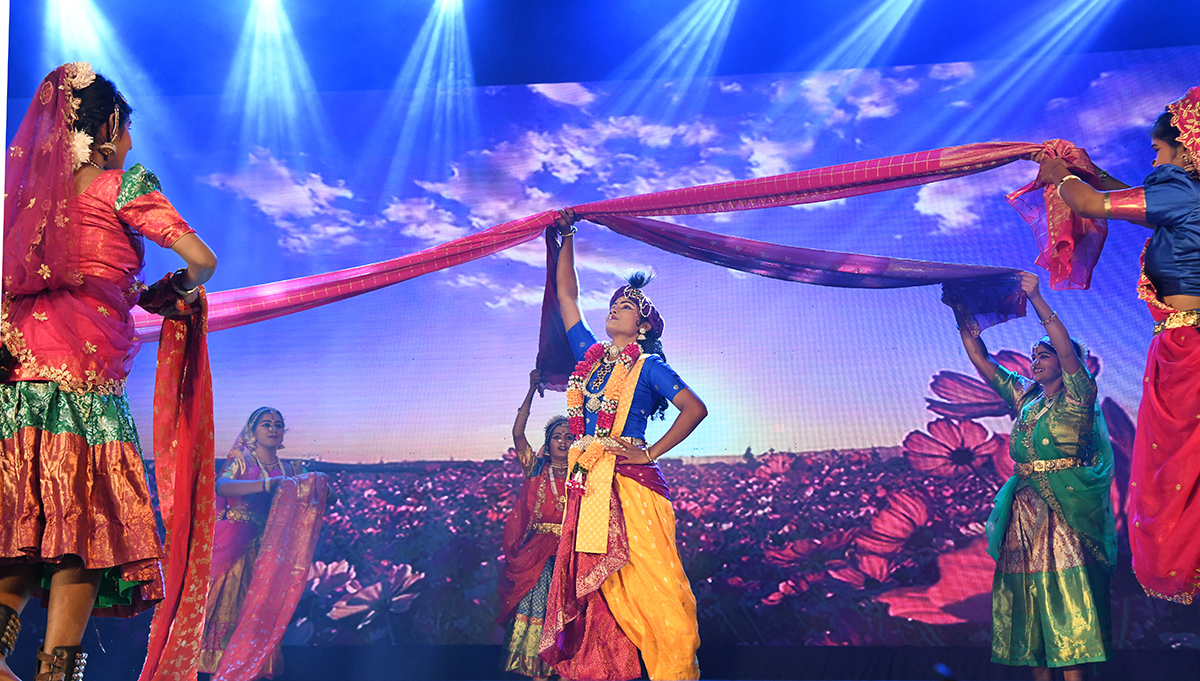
[[183, 456]]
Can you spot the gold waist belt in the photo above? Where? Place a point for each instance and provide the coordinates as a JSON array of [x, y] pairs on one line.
[[1178, 320], [1025, 470], [548, 528], [582, 443], [239, 516]]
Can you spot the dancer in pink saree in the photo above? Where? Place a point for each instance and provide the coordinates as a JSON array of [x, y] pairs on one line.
[[269, 514]]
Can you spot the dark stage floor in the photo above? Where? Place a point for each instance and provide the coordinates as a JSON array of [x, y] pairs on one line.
[[402, 663]]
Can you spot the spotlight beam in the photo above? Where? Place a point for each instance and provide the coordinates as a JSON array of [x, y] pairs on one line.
[[432, 98], [75, 30], [270, 94], [657, 81]]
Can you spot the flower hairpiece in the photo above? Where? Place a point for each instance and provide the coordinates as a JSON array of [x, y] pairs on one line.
[[81, 149], [80, 74]]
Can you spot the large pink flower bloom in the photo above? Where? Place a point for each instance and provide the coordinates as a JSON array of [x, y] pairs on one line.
[[871, 572], [962, 594], [951, 447], [891, 527]]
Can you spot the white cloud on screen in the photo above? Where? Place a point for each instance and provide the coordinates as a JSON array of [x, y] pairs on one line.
[[303, 207], [959, 205], [421, 219], [770, 157], [521, 296], [838, 97], [1102, 116], [572, 94], [961, 71]]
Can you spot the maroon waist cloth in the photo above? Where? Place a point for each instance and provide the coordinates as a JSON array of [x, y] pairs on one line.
[[648, 475]]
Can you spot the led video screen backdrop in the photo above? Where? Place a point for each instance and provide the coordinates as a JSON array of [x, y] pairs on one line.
[[809, 512]]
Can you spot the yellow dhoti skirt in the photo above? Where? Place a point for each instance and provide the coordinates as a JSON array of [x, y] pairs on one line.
[[650, 597]]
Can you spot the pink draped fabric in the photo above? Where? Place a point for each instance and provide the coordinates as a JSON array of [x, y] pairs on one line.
[[1056, 228], [283, 561]]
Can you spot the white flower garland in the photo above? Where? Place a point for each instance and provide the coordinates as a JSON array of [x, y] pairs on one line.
[[80, 74], [81, 149]]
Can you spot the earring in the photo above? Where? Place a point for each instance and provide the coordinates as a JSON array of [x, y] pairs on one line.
[[1188, 164], [108, 147], [641, 335], [252, 442]]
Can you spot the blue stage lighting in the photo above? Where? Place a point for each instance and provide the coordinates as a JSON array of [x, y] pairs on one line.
[[270, 96], [76, 30], [1035, 38], [867, 36], [660, 79], [432, 103]]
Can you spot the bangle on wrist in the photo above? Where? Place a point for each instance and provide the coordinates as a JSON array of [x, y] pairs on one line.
[[183, 293], [567, 231], [1068, 177], [1047, 320]]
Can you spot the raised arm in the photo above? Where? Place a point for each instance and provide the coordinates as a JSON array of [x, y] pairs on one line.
[[568, 281], [1067, 359], [978, 353], [518, 430]]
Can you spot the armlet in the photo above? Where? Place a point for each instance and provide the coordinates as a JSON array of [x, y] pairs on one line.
[[1126, 204]]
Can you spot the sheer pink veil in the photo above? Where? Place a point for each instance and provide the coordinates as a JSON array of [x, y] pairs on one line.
[[41, 252]]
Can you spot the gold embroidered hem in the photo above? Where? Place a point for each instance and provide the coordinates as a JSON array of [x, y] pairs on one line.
[[1180, 598], [1050, 599], [1026, 470], [1178, 320], [30, 368]]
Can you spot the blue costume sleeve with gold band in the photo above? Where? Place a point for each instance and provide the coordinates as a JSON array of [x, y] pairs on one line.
[[1172, 200], [141, 205]]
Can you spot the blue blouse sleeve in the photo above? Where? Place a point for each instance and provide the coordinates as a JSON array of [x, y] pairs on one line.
[[662, 378], [1172, 197], [580, 338]]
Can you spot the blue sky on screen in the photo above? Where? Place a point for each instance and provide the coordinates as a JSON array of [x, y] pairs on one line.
[[435, 367]]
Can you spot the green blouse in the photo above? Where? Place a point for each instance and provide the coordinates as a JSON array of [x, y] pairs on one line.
[[1068, 425]]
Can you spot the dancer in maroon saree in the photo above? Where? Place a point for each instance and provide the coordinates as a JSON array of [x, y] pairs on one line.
[[269, 513], [531, 538], [1165, 476]]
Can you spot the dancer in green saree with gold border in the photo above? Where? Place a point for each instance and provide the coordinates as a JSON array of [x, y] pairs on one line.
[[1052, 530]]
